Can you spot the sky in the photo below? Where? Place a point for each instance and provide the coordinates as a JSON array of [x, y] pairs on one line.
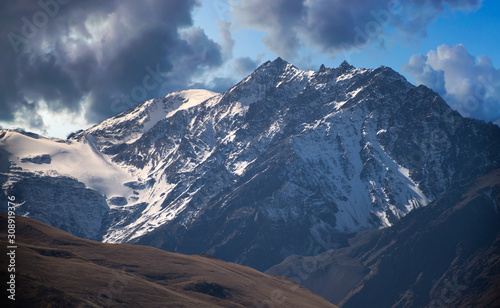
[[66, 65]]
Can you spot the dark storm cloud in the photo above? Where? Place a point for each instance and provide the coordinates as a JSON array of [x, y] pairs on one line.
[[217, 84], [468, 84], [336, 25], [104, 55], [193, 55], [245, 65], [242, 67], [227, 39], [280, 18], [197, 50]]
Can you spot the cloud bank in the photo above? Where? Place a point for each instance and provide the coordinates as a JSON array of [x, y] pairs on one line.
[[469, 84], [338, 26], [97, 57]]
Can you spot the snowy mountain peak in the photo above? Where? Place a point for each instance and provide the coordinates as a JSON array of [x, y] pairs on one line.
[[279, 62], [130, 125], [278, 66], [186, 99], [344, 66], [281, 159]]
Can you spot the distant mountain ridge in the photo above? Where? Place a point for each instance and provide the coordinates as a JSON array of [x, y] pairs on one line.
[[444, 255], [282, 163]]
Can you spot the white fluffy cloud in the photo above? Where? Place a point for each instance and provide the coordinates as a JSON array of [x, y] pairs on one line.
[[469, 84]]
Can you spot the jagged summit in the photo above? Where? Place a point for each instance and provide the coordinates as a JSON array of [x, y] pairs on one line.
[[133, 123], [282, 160], [279, 61], [344, 66], [278, 65]]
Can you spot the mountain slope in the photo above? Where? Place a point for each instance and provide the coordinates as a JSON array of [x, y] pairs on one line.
[[285, 162], [444, 255], [54, 268]]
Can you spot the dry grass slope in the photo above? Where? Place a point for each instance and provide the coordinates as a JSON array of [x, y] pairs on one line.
[[56, 269]]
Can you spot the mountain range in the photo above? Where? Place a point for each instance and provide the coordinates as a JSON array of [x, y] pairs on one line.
[[446, 254], [285, 163]]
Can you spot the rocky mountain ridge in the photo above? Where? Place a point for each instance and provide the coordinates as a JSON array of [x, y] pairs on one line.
[[285, 162], [444, 255]]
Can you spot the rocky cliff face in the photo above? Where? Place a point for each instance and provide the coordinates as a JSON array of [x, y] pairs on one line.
[[444, 255], [285, 162]]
